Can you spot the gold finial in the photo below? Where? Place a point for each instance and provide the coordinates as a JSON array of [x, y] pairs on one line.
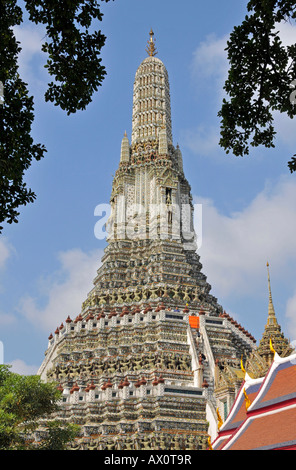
[[151, 49]]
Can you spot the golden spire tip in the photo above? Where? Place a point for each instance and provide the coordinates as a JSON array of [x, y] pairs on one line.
[[151, 49]]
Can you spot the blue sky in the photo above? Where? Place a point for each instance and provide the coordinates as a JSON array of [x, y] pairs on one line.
[[49, 259]]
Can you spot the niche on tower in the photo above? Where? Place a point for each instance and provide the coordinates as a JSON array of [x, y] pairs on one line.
[[168, 200]]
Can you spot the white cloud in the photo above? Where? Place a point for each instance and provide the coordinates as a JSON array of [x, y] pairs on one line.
[[210, 58], [6, 319], [5, 252], [285, 129], [209, 71], [31, 59], [204, 140], [236, 247], [287, 33], [291, 316], [62, 293], [284, 126], [30, 37], [18, 366]]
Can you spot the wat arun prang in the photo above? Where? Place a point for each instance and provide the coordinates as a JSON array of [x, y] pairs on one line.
[[137, 365]]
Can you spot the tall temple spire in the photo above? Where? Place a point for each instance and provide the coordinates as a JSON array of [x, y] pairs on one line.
[[271, 320], [133, 345]]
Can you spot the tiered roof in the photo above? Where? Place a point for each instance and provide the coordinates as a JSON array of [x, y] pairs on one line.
[[238, 412]]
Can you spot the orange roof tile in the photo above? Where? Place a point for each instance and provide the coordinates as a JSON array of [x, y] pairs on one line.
[[271, 430], [279, 384], [283, 385]]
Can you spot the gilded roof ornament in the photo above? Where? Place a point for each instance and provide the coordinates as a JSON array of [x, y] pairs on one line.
[[247, 400], [220, 420], [271, 347], [242, 366], [210, 444], [151, 49]]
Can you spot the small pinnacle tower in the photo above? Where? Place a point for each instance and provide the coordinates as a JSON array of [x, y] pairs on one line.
[[272, 333], [137, 363], [125, 149], [257, 363]]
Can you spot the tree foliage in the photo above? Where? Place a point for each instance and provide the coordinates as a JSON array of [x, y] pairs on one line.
[[17, 149], [73, 49], [24, 400], [260, 77], [73, 52]]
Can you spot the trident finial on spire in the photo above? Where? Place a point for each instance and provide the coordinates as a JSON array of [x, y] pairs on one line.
[[268, 277], [151, 49]]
